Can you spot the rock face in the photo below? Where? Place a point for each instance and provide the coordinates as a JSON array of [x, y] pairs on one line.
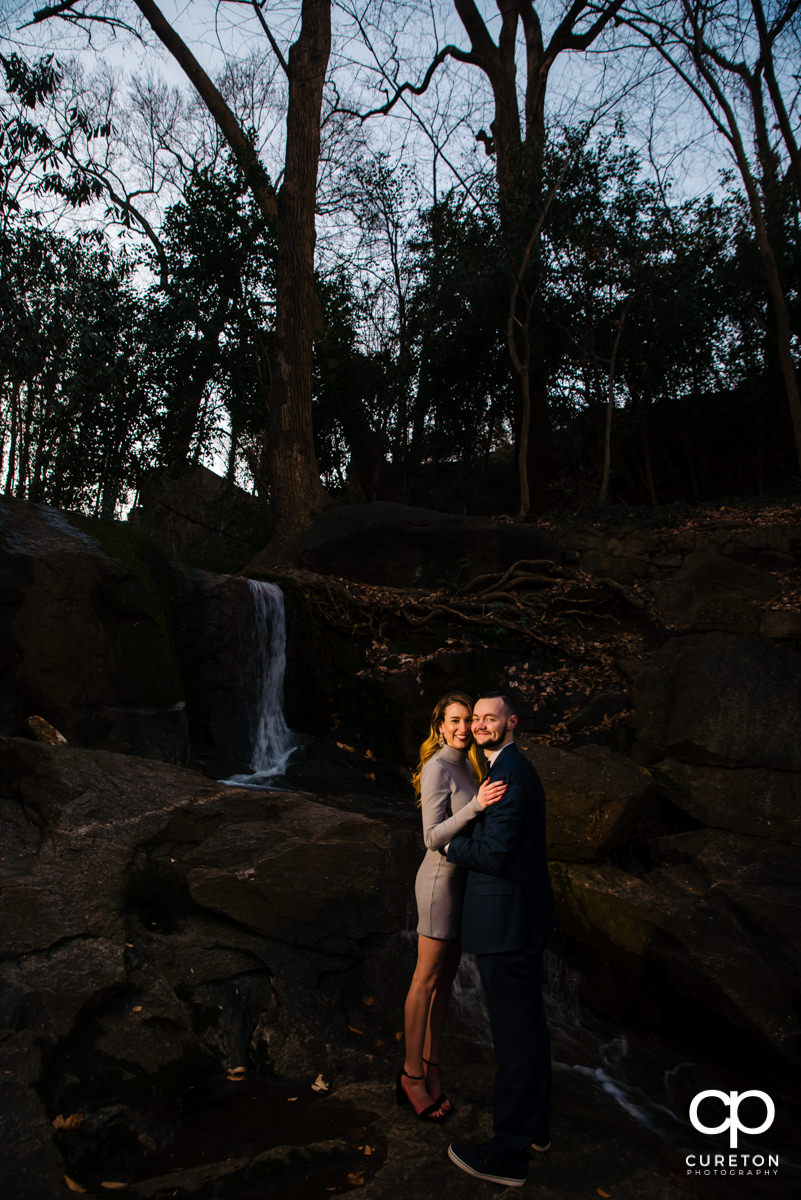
[[201, 518], [86, 641], [705, 913], [671, 943], [635, 550], [710, 591], [756, 801], [116, 648], [214, 631], [159, 927], [395, 545], [722, 699], [595, 800]]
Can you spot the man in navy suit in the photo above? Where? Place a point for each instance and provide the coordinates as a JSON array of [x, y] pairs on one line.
[[507, 916]]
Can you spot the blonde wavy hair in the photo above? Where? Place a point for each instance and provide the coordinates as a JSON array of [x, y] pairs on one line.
[[431, 745]]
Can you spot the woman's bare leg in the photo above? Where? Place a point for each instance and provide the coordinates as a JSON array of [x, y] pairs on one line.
[[433, 963], [437, 1012]]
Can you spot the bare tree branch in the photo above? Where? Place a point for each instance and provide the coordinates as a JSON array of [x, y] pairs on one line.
[[258, 5]]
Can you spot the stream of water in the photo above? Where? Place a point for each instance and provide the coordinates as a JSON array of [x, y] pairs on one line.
[[272, 741], [631, 1081]]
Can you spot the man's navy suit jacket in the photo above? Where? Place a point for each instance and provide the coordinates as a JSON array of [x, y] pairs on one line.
[[508, 903]]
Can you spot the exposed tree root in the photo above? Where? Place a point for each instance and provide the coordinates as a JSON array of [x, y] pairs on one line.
[[548, 610]]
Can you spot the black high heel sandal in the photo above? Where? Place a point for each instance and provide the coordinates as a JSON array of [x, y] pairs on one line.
[[442, 1099], [431, 1113]]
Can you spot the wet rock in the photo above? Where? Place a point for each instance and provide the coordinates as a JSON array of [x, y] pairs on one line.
[[668, 935], [720, 698], [86, 638], [592, 1148], [31, 1167], [759, 882], [752, 800], [594, 800], [280, 1166], [45, 990], [77, 818], [160, 928], [214, 630], [399, 546], [298, 882]]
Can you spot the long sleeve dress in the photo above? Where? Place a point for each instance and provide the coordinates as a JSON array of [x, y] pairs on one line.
[[439, 884]]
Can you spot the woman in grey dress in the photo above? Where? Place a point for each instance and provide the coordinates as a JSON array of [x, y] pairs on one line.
[[447, 785]]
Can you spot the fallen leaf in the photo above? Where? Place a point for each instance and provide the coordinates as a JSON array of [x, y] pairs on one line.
[[606, 1195], [369, 1001], [73, 1186], [368, 1150], [112, 1183], [370, 775], [291, 1099], [319, 1085], [399, 1036], [356, 1178], [343, 746], [236, 1074], [137, 1008], [353, 1029], [70, 1122], [369, 754]]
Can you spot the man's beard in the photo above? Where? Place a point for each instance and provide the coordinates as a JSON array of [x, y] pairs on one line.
[[497, 739]]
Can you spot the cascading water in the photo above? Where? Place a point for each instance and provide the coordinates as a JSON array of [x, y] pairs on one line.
[[639, 1078], [272, 741]]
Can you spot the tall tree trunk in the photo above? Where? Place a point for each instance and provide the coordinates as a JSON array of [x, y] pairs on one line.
[[12, 449], [760, 215], [518, 145], [296, 492]]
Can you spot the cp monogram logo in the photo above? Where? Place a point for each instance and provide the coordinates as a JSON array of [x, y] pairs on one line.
[[732, 1101]]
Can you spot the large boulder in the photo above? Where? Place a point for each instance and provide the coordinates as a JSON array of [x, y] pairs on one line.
[[760, 884], [215, 626], [594, 800], [710, 591], [200, 518], [721, 699], [758, 801], [400, 546], [161, 928], [669, 948], [86, 637]]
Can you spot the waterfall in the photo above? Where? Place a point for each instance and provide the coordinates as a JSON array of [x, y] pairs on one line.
[[271, 740]]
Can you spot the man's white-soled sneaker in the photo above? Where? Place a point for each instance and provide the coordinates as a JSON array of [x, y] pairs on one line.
[[483, 1163]]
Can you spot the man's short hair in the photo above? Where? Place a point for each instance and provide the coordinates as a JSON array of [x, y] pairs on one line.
[[510, 707]]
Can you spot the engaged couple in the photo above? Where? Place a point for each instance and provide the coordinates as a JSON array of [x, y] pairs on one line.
[[482, 887]]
